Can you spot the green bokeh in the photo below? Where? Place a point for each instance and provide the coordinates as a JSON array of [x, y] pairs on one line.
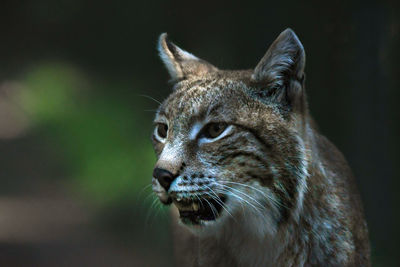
[[103, 137]]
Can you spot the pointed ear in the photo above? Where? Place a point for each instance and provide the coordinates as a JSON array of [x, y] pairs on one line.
[[181, 64], [281, 70]]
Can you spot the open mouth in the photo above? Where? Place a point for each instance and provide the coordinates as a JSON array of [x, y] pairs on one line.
[[194, 211]]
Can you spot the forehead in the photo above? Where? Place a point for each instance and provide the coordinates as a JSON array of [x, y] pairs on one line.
[[202, 98]]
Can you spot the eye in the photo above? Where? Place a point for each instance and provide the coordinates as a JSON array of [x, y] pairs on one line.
[[162, 130], [213, 130]]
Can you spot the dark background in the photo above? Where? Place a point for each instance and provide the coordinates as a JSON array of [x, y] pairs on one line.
[[76, 82]]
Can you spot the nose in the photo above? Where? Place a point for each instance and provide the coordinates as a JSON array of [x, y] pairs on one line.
[[164, 177]]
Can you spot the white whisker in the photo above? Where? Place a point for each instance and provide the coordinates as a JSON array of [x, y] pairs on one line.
[[244, 194], [149, 97], [220, 202], [212, 207], [258, 190], [240, 198]]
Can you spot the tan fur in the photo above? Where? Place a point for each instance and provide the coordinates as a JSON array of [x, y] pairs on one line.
[[291, 197]]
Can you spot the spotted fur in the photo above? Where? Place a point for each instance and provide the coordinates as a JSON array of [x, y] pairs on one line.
[[291, 198]]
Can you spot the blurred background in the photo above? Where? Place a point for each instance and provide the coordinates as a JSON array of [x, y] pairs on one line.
[[79, 84]]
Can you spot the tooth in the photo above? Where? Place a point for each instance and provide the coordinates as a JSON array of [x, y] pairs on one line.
[[195, 206]]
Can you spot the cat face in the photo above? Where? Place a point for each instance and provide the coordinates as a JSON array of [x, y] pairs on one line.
[[227, 143]]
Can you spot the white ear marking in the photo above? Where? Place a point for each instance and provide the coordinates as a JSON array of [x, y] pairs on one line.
[[167, 57]]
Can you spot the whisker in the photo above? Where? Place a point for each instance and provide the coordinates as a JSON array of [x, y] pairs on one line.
[[212, 191], [212, 207], [226, 191], [220, 202], [218, 199], [244, 194], [160, 207], [276, 202], [149, 97], [249, 186], [200, 198], [150, 211], [151, 194], [142, 190], [242, 199]]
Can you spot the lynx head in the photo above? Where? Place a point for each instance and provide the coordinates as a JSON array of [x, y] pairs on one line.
[[230, 144]]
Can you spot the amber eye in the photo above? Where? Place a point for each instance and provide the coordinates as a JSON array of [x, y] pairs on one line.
[[162, 130], [213, 130]]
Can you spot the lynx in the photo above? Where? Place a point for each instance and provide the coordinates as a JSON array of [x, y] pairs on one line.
[[250, 179]]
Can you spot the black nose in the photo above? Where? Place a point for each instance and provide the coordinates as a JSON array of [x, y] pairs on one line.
[[164, 177]]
